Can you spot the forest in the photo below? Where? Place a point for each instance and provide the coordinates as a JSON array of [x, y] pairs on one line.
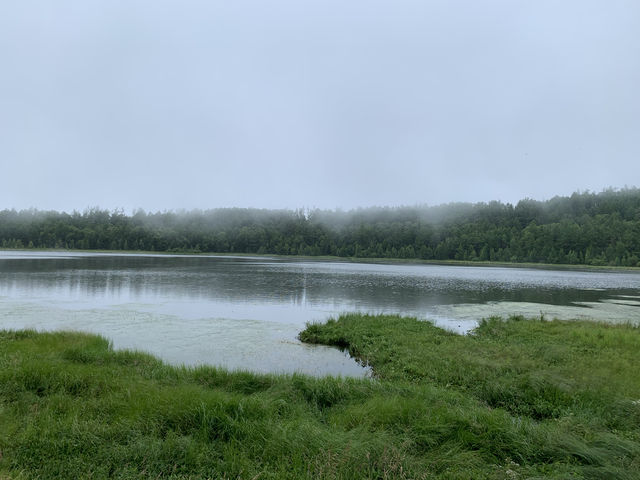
[[586, 228]]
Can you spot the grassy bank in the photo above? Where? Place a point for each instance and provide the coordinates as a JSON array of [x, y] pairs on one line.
[[518, 399]]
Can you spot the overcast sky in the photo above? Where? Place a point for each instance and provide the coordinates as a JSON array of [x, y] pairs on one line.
[[161, 104]]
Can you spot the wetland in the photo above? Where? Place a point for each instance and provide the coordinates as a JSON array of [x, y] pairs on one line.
[[247, 312]]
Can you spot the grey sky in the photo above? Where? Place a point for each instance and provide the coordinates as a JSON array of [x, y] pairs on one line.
[[320, 103]]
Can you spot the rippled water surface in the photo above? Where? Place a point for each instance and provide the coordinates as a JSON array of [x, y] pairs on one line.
[[246, 312]]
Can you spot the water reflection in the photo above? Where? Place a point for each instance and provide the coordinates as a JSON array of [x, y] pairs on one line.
[[230, 310], [298, 283]]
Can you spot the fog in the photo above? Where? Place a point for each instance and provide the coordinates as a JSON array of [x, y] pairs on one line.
[[289, 104]]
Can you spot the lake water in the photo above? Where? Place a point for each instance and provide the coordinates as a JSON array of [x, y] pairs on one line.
[[247, 312]]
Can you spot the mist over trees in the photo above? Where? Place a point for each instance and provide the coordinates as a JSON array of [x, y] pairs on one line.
[[585, 228]]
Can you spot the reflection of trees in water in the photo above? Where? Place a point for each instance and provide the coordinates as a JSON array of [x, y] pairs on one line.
[[238, 280]]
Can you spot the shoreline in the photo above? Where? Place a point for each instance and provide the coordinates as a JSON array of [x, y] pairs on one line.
[[490, 405], [331, 258]]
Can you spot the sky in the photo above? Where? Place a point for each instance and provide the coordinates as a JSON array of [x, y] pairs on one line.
[[166, 105]]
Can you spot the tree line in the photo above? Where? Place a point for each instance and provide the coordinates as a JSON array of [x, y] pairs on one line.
[[584, 228]]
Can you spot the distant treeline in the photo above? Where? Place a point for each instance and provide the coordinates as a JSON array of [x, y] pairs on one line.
[[585, 228]]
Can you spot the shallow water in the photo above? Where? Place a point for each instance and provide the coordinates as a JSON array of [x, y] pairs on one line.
[[242, 312]]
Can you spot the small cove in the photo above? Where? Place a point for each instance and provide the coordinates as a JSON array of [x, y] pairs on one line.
[[246, 313]]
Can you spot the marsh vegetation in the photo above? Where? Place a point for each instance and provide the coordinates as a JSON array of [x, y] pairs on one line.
[[517, 399]]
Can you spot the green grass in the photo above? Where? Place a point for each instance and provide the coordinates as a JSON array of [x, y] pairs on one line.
[[517, 399]]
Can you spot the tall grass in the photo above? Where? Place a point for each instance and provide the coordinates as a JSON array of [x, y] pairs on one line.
[[517, 399]]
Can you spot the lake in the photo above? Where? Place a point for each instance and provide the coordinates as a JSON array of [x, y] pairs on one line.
[[246, 312]]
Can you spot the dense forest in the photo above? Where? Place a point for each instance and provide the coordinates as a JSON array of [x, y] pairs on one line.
[[585, 228]]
